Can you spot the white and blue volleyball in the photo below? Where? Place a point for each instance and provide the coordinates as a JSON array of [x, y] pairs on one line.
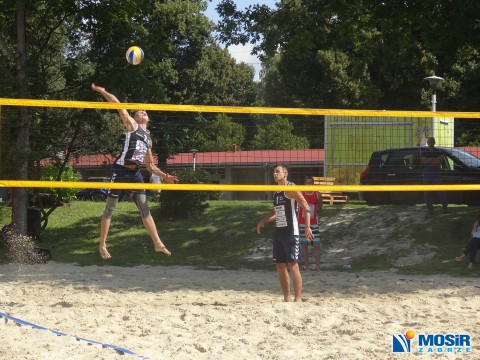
[[134, 55]]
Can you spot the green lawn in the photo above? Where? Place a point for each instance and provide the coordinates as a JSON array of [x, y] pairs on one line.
[[225, 234], [220, 237]]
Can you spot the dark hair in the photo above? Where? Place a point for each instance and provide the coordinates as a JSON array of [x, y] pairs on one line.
[[309, 178], [282, 165]]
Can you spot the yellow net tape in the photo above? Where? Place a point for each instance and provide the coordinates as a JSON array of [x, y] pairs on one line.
[[240, 110], [219, 187], [232, 109]]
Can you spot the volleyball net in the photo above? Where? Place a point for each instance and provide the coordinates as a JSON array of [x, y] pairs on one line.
[[236, 146]]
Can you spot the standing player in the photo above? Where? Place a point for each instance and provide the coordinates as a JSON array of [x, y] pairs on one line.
[[126, 169], [286, 244], [315, 203]]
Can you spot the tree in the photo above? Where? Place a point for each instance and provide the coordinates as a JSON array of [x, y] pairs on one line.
[[357, 54], [277, 134], [219, 135], [19, 210], [72, 43]]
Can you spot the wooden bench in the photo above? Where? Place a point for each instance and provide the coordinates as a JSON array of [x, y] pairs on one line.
[[330, 197]]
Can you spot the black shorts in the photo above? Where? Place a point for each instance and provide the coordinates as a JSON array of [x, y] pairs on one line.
[[286, 248], [122, 174]]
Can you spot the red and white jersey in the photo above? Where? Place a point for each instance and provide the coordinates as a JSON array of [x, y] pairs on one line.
[[314, 204]]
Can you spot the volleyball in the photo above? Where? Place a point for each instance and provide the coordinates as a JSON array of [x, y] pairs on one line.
[[134, 55]]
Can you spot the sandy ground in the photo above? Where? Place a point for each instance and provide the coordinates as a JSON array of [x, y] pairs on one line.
[[187, 313]]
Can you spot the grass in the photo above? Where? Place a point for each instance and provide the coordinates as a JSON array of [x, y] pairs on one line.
[[220, 237], [225, 234]]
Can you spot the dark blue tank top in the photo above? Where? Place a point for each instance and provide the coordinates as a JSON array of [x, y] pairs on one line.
[[135, 147], [285, 212]]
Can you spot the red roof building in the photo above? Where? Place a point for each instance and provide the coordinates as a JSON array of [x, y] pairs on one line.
[[227, 167]]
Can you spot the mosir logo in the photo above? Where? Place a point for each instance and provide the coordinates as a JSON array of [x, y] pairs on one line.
[[431, 343]]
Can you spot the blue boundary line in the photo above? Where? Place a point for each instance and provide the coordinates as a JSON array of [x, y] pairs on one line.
[[19, 322]]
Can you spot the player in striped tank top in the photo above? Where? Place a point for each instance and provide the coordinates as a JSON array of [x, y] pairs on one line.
[[137, 149], [286, 243]]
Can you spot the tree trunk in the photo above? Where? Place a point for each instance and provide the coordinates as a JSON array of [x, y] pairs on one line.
[[20, 196]]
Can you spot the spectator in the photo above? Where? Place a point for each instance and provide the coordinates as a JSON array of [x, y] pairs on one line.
[[432, 160], [314, 201], [472, 246]]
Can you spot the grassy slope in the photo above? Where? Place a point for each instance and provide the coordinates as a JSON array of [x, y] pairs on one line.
[[225, 234], [219, 237]]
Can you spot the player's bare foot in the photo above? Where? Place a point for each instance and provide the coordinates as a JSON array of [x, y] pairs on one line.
[[104, 254], [163, 249]]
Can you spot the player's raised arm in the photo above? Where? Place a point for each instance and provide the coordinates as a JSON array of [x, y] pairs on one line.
[[128, 121]]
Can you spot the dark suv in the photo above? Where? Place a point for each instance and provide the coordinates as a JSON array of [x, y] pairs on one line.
[[402, 166]]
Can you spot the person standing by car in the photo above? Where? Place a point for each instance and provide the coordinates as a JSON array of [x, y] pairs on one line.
[[126, 169], [432, 160]]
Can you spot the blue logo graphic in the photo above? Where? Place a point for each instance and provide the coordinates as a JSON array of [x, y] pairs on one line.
[[432, 343], [400, 344]]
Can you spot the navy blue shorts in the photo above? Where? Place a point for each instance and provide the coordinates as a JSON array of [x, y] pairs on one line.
[[286, 248], [125, 175]]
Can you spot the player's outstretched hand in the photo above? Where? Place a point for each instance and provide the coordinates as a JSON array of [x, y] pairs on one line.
[[98, 89], [260, 227], [171, 178]]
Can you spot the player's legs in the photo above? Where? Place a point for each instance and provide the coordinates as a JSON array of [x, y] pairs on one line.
[[105, 226], [152, 230], [305, 256], [317, 251], [304, 242], [147, 219], [284, 280], [120, 174], [102, 247], [297, 281], [286, 251]]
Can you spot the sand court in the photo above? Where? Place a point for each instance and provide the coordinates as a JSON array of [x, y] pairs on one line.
[[186, 313]]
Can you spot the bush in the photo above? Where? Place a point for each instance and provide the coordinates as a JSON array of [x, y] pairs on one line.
[[182, 203], [50, 173]]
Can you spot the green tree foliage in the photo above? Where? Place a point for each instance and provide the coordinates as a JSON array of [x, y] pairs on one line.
[[361, 54], [277, 134], [55, 173], [73, 43], [219, 135], [63, 46]]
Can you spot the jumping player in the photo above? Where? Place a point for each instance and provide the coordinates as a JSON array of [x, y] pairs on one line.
[[126, 168]]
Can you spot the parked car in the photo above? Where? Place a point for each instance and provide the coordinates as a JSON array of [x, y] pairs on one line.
[[94, 194], [402, 166]]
